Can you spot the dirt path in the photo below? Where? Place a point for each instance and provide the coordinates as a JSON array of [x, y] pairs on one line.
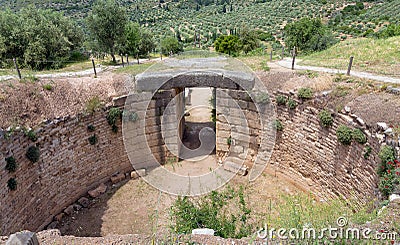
[[88, 72], [287, 63]]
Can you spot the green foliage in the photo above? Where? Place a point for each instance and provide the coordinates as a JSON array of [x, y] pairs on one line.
[[281, 100], [214, 211], [38, 38], [112, 117], [388, 171], [248, 40], [31, 134], [93, 139], [387, 155], [291, 104], [48, 87], [33, 154], [325, 118], [228, 44], [278, 125], [229, 140], [12, 184], [359, 136], [170, 44], [106, 24], [305, 93], [91, 128], [344, 135], [11, 165], [390, 31], [308, 35], [367, 152], [93, 104], [264, 66]]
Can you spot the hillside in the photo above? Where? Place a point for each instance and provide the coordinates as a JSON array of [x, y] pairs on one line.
[[380, 56], [210, 18]]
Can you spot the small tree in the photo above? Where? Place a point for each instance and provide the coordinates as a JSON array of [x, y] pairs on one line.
[[170, 44], [308, 35], [228, 44], [106, 24]]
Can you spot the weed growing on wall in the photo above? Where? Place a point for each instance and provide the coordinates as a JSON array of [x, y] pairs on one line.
[[278, 125], [292, 104], [325, 118], [281, 100], [305, 93], [12, 184], [344, 135], [11, 165], [33, 154], [359, 136], [112, 117]]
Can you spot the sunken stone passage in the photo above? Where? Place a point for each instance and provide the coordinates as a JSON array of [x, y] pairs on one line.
[[312, 156]]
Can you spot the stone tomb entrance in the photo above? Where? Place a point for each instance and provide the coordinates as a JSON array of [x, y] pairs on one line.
[[154, 124]]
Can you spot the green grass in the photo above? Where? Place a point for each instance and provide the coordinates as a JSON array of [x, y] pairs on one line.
[[301, 210], [380, 56], [135, 68]]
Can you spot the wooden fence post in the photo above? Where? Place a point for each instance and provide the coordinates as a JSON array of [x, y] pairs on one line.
[[94, 68], [127, 59], [294, 57], [16, 67], [283, 52], [122, 59], [350, 65], [270, 56]]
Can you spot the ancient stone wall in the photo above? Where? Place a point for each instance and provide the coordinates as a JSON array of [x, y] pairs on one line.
[[312, 156], [69, 165]]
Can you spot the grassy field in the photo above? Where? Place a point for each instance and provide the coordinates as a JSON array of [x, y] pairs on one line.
[[380, 56]]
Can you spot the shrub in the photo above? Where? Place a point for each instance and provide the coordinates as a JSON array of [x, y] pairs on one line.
[[11, 165], [93, 139], [388, 158], [291, 104], [305, 93], [112, 118], [386, 185], [91, 128], [214, 211], [278, 125], [344, 135], [367, 152], [325, 118], [113, 115], [12, 184], [359, 136], [48, 87], [33, 154], [31, 134], [281, 100]]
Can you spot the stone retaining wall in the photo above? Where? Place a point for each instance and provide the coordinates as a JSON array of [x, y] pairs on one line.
[[312, 156]]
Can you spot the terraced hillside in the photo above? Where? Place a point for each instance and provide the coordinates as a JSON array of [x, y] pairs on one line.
[[208, 18]]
